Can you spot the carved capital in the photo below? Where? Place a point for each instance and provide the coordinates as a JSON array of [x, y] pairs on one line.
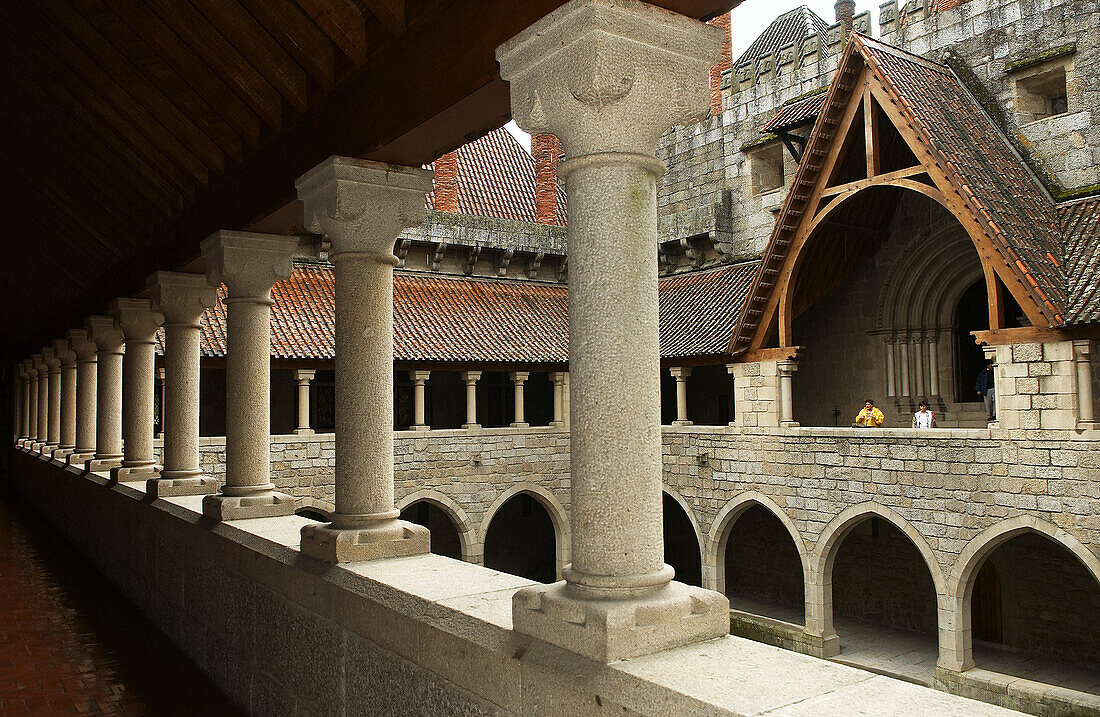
[[248, 264], [609, 75], [64, 352], [82, 344], [362, 206], [106, 335], [181, 297], [30, 366], [50, 360], [137, 318]]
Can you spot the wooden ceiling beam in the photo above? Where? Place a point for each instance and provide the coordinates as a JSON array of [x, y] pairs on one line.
[[27, 56], [59, 121], [258, 47], [391, 13], [292, 28], [148, 95], [145, 60], [205, 40], [344, 24], [178, 55], [87, 67]]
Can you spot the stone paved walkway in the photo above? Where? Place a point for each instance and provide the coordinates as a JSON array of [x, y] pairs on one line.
[[70, 644]]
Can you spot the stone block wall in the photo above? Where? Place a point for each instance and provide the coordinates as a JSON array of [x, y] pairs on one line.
[[756, 394], [1036, 386]]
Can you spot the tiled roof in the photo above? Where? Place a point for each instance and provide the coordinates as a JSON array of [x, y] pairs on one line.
[[797, 112], [791, 26], [994, 184], [1081, 232], [496, 178], [460, 319], [699, 310]]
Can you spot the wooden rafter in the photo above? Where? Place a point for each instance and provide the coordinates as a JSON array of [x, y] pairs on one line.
[[343, 22], [391, 13], [299, 36]]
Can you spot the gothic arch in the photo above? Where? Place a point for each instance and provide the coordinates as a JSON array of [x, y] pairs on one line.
[[720, 530], [466, 535], [547, 500]]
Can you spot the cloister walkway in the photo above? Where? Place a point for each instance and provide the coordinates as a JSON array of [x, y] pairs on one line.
[[71, 644]]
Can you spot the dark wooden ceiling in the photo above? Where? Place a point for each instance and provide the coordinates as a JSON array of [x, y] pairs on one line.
[[133, 129]]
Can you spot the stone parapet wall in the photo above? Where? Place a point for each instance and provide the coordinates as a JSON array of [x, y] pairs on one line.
[[1036, 386]]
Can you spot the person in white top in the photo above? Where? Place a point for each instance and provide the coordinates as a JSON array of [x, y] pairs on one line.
[[924, 418]]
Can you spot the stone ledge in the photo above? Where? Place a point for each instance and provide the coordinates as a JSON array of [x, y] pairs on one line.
[[443, 625]]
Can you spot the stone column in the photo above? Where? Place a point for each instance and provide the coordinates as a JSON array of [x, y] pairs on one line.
[[419, 379], [608, 78], [249, 265], [558, 379], [991, 355], [85, 350], [786, 392], [681, 373], [182, 298], [1082, 353], [518, 379], [891, 386], [67, 403], [916, 345], [53, 396], [139, 323], [31, 367], [903, 352], [471, 378], [43, 404], [933, 339], [303, 377], [108, 421], [24, 404], [160, 378], [361, 207]]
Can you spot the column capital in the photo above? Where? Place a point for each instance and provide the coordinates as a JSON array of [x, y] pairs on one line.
[[679, 372], [82, 345], [609, 76], [137, 319], [304, 374], [361, 205], [50, 360], [420, 376], [106, 335], [30, 367], [248, 263], [1082, 349], [471, 376], [181, 297], [557, 378], [787, 366], [519, 376], [64, 352]]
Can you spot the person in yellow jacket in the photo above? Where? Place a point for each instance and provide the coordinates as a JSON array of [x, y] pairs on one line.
[[870, 416]]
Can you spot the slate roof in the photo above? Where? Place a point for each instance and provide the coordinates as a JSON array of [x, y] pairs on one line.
[[1081, 230], [496, 178], [460, 319], [699, 310], [992, 181], [796, 112], [792, 26]]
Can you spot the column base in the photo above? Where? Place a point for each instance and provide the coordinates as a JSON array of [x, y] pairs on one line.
[[126, 474], [789, 424], [37, 446], [303, 431], [678, 422], [519, 425], [420, 428], [94, 465], [823, 647], [268, 504], [78, 459], [398, 539], [472, 426], [1088, 425], [557, 424], [607, 630], [60, 454], [167, 487]]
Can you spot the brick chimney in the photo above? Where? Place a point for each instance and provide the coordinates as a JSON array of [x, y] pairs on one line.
[[446, 183], [546, 150], [845, 11], [722, 21]]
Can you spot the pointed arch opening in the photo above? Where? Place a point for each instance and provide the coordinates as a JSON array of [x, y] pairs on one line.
[[445, 538], [683, 550], [521, 539]]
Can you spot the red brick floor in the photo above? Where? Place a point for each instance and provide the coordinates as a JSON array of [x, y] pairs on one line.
[[70, 644]]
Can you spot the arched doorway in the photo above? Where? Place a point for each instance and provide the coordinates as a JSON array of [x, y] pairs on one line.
[[521, 539], [681, 543], [444, 534], [1034, 605], [971, 314], [763, 571]]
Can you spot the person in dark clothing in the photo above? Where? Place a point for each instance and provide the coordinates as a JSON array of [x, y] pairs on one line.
[[984, 387]]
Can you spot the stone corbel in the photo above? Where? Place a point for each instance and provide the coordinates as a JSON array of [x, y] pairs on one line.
[[563, 268], [437, 254], [471, 259], [504, 258], [693, 251], [534, 263], [401, 251]]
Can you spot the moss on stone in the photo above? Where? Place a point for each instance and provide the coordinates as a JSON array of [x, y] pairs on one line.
[[766, 139], [1032, 60], [1079, 193]]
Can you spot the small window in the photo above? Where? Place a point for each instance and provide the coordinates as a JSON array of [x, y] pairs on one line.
[[767, 169], [1042, 95]]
